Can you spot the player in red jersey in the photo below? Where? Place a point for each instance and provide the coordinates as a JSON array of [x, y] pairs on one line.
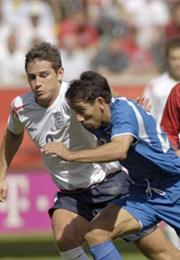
[[171, 118]]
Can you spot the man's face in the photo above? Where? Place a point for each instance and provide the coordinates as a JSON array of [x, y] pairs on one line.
[[92, 116], [44, 81], [174, 63]]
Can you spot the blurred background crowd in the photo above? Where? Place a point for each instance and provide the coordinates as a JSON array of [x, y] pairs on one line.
[[123, 39]]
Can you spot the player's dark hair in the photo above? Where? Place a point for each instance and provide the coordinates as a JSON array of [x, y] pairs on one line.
[[88, 88], [44, 51], [173, 43]]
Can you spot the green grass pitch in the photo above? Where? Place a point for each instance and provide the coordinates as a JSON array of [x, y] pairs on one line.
[[42, 247]]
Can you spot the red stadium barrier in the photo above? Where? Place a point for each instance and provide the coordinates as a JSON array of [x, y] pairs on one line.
[[129, 91], [28, 156]]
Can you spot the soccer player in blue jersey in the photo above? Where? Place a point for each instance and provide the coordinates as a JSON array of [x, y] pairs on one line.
[[130, 134]]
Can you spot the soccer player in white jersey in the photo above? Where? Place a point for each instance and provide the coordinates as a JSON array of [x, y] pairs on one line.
[[131, 135], [158, 89], [83, 188]]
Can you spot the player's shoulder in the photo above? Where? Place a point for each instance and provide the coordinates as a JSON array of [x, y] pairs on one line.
[[64, 87], [161, 81], [176, 88], [121, 99], [23, 100], [122, 102], [174, 95]]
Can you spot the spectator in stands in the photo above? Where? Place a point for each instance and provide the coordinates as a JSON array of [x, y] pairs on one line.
[[172, 29], [36, 28], [15, 12], [149, 16], [141, 60], [4, 27], [110, 58], [112, 19], [79, 24], [74, 58], [12, 62]]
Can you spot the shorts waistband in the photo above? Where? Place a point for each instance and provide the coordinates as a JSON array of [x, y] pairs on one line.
[[95, 184]]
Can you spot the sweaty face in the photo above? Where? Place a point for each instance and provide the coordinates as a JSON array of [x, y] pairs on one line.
[[174, 63], [44, 81], [92, 116]]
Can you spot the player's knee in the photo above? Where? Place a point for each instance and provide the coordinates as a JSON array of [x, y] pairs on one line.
[[67, 241], [97, 236]]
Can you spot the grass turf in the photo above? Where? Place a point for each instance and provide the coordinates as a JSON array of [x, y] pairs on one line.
[[41, 247], [126, 256]]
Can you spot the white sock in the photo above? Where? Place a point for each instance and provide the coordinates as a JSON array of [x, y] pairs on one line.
[[76, 253], [171, 234]]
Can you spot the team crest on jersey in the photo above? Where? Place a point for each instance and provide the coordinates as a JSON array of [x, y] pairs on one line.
[[59, 120]]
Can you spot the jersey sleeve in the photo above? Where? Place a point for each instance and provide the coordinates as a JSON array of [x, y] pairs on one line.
[[14, 125], [123, 120], [171, 116]]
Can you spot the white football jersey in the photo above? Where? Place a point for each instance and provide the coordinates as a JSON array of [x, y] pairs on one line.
[[158, 91], [58, 123]]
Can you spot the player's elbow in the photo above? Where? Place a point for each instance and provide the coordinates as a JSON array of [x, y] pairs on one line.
[[123, 156], [120, 156], [120, 148]]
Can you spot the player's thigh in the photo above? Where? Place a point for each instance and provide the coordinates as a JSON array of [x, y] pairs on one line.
[[69, 228], [125, 223], [156, 246], [112, 222]]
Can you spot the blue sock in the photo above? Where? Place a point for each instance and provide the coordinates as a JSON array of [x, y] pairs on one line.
[[105, 251]]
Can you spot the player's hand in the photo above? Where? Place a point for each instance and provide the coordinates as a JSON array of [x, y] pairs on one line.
[[144, 102], [178, 152], [57, 148], [3, 189]]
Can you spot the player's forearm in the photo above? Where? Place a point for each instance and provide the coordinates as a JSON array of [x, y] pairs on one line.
[[9, 147], [105, 153], [115, 150]]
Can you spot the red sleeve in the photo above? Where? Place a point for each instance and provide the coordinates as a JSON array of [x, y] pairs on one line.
[[171, 116]]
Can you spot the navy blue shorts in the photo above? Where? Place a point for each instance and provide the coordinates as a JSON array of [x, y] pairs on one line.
[[88, 202]]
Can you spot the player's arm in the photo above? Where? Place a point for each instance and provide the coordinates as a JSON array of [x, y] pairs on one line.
[[9, 147], [115, 150]]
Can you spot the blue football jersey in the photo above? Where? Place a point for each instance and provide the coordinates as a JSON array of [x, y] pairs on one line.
[[150, 156]]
